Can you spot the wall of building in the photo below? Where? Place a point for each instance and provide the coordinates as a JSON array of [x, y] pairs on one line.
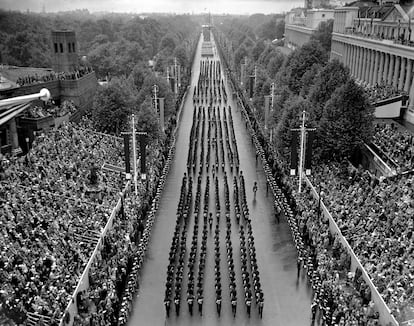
[[297, 36]]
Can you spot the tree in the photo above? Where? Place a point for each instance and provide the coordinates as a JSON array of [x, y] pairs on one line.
[[181, 54], [112, 106], [324, 34], [239, 56], [168, 42], [302, 59], [138, 75], [347, 121], [330, 78], [308, 79], [258, 49], [148, 120], [275, 64], [289, 119]]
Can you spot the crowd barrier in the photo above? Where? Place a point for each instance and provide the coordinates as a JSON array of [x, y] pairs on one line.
[[83, 284], [386, 318]]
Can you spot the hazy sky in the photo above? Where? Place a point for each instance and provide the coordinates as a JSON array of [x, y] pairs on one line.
[[179, 6]]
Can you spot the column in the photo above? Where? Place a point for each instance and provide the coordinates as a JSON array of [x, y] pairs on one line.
[[360, 63], [402, 73], [376, 63], [353, 61], [390, 69], [386, 67], [411, 100], [381, 68], [371, 66], [356, 68], [396, 71], [366, 68], [408, 75], [13, 135]]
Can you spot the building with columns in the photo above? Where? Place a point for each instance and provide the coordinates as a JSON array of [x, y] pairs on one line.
[[375, 41]]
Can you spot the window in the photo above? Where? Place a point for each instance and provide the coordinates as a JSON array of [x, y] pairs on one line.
[[56, 48], [323, 15], [61, 47], [73, 47], [69, 48]]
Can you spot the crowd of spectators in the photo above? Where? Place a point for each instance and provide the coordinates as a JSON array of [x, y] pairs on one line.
[[37, 79], [381, 91], [376, 217], [50, 109], [395, 143], [53, 207]]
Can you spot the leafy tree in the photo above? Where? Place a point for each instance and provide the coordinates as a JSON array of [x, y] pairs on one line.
[[112, 105], [347, 121], [308, 79], [280, 29], [138, 75], [289, 119], [168, 43], [239, 55], [275, 64], [329, 79], [181, 54], [324, 34], [301, 60], [164, 91], [258, 49], [147, 119]]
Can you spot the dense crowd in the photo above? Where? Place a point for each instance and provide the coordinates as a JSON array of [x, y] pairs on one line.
[[54, 204], [50, 109], [381, 92], [376, 217], [396, 143], [37, 79]]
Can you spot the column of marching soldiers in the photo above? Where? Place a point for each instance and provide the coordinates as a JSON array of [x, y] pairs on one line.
[[210, 109]]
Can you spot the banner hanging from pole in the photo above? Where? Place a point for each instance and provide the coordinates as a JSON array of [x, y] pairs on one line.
[[251, 86], [308, 151], [267, 104], [294, 152], [127, 156], [161, 109], [143, 145]]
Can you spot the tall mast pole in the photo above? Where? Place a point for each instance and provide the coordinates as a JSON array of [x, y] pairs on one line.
[[134, 156], [302, 150]]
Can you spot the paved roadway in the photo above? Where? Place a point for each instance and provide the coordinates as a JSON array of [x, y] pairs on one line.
[[287, 298]]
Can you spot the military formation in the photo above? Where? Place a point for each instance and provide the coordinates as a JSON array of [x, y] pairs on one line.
[[221, 223]]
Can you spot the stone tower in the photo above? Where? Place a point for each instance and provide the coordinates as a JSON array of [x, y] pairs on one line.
[[64, 51]]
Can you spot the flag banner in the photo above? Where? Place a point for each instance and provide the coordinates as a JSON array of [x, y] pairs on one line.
[[251, 86], [172, 84], [161, 112], [127, 154], [156, 104], [267, 104], [242, 73], [308, 152], [294, 152], [143, 145]]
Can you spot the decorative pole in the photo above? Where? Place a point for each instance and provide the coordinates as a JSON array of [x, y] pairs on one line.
[[134, 154]]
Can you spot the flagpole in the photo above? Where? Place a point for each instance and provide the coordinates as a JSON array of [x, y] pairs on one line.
[[302, 150], [134, 156]]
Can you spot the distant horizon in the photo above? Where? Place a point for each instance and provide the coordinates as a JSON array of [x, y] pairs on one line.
[[216, 7]]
